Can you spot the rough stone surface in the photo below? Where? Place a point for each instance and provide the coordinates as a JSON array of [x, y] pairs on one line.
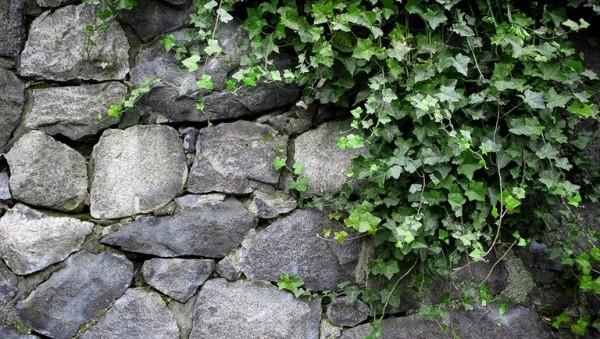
[[4, 187], [12, 28], [197, 200], [53, 3], [269, 203], [325, 165], [516, 322], [72, 296], [137, 314], [291, 245], [345, 312], [329, 331], [31, 240], [183, 314], [56, 41], [229, 267], [8, 283], [47, 173], [177, 278], [72, 111], [6, 333], [229, 155], [136, 170], [150, 18], [246, 309], [175, 98], [210, 230], [296, 121], [12, 97]]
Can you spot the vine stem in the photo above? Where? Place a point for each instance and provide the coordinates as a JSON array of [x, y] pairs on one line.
[[387, 299]]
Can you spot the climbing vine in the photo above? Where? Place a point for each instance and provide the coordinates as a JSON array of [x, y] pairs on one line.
[[471, 112]]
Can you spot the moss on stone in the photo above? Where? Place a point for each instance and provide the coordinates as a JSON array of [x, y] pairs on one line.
[[520, 281]]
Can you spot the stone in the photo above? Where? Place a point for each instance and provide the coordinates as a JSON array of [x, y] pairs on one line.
[[269, 203], [197, 200], [291, 245], [177, 278], [8, 283], [12, 27], [136, 170], [190, 137], [72, 111], [536, 258], [12, 97], [229, 155], [137, 314], [150, 18], [296, 121], [516, 322], [346, 312], [4, 187], [31, 240], [53, 3], [245, 309], [229, 267], [329, 331], [210, 230], [73, 295], [56, 47], [551, 300], [183, 314], [174, 99], [325, 165], [6, 333], [47, 173]]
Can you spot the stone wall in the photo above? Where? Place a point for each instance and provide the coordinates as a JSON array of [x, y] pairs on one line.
[[172, 222]]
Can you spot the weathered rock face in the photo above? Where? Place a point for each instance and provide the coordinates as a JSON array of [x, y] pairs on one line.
[[293, 122], [136, 315], [245, 309], [345, 312], [4, 187], [56, 47], [516, 322], [325, 165], [229, 267], [183, 314], [12, 97], [150, 18], [177, 278], [210, 230], [47, 173], [230, 154], [31, 240], [268, 203], [12, 28], [290, 245], [72, 111], [136, 170], [53, 3], [73, 295], [6, 333], [197, 200], [8, 283], [175, 98]]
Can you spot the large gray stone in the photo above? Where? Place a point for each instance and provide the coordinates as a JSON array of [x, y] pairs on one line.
[[150, 18], [6, 333], [12, 97], [269, 203], [175, 98], [346, 312], [291, 245], [31, 240], [229, 155], [247, 309], [56, 47], [229, 267], [136, 170], [325, 164], [210, 230], [73, 295], [177, 278], [72, 111], [8, 283], [47, 173], [137, 314], [516, 322], [12, 27]]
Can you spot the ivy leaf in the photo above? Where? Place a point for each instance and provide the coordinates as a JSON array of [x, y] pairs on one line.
[[362, 220], [533, 99], [456, 201], [168, 42], [205, 82], [525, 126], [547, 152], [386, 268], [461, 63], [298, 168], [191, 63], [462, 29], [476, 191], [223, 15], [213, 47], [434, 16], [364, 49], [278, 163], [300, 185]]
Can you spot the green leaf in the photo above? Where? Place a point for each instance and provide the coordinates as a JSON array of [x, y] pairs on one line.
[[191, 63], [278, 163], [205, 82], [525, 126], [298, 168], [533, 99], [300, 184], [223, 15], [340, 237], [168, 42], [462, 29], [213, 47], [476, 191], [362, 220], [461, 63], [364, 49], [385, 268]]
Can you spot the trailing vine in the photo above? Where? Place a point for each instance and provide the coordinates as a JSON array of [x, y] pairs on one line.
[[471, 112]]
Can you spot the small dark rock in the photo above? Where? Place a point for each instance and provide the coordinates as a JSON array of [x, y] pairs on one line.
[[150, 18], [345, 312], [12, 27], [177, 278]]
